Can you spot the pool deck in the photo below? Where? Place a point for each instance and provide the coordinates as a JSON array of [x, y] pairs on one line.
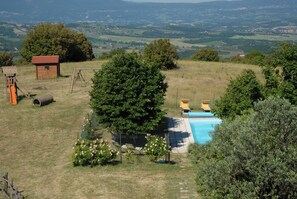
[[180, 134]]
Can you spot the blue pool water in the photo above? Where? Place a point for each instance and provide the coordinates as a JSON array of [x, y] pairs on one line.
[[202, 127], [200, 114]]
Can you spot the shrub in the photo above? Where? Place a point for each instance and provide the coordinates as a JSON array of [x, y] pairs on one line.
[[254, 57], [253, 156], [111, 53], [237, 58], [206, 54], [92, 153], [6, 58], [155, 147]]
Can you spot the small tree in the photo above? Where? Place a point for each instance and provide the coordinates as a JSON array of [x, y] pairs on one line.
[[161, 53], [206, 54], [252, 156], [6, 58], [55, 39], [240, 95], [127, 95]]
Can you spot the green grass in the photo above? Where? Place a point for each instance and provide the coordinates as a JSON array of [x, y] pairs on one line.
[[36, 142]]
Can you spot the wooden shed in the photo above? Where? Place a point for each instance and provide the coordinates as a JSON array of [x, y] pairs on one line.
[[47, 67]]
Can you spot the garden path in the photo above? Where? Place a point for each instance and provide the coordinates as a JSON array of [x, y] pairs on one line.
[[180, 134]]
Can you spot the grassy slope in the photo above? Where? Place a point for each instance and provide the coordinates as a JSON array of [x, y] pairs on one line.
[[36, 143], [200, 81]]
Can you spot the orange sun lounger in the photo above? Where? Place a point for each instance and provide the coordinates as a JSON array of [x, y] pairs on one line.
[[184, 105], [205, 106]]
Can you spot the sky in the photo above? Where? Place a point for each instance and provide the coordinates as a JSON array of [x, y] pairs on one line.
[[172, 1]]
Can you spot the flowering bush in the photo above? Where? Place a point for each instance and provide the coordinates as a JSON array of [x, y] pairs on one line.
[[155, 147], [92, 153]]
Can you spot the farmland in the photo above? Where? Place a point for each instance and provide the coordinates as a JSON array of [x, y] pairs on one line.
[[187, 40]]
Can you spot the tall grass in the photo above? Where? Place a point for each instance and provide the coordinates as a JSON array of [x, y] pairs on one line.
[[198, 81]]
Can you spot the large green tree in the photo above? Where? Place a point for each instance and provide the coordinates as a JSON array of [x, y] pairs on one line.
[[56, 39], [253, 156], [240, 95], [6, 58], [281, 73], [206, 54], [127, 95], [161, 53]]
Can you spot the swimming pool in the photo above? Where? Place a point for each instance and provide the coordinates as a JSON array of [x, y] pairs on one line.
[[202, 127]]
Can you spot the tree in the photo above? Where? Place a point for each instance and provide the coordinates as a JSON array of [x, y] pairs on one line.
[[206, 54], [237, 58], [252, 156], [284, 59], [55, 39], [111, 53], [161, 53], [127, 95], [6, 58], [240, 95], [254, 57]]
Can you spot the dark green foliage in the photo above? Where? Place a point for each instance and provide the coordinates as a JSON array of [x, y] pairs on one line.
[[6, 58], [255, 57], [240, 95], [253, 156], [110, 54], [272, 81], [285, 57], [206, 54], [55, 39], [161, 53], [127, 95]]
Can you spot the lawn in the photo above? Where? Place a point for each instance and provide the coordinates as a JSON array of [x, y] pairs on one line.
[[198, 81], [36, 142]]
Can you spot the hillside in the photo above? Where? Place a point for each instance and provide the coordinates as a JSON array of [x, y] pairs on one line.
[[245, 15], [186, 39]]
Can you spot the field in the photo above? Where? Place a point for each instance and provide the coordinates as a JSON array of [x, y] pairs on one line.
[[187, 40], [36, 142]]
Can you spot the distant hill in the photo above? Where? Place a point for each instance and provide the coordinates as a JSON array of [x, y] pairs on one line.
[[218, 15]]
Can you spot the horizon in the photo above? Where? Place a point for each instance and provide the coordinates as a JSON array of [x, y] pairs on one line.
[[170, 1]]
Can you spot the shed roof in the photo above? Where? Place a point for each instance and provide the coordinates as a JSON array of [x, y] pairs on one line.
[[45, 59]]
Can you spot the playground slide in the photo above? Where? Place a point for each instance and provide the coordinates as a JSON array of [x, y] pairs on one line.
[[13, 94]]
